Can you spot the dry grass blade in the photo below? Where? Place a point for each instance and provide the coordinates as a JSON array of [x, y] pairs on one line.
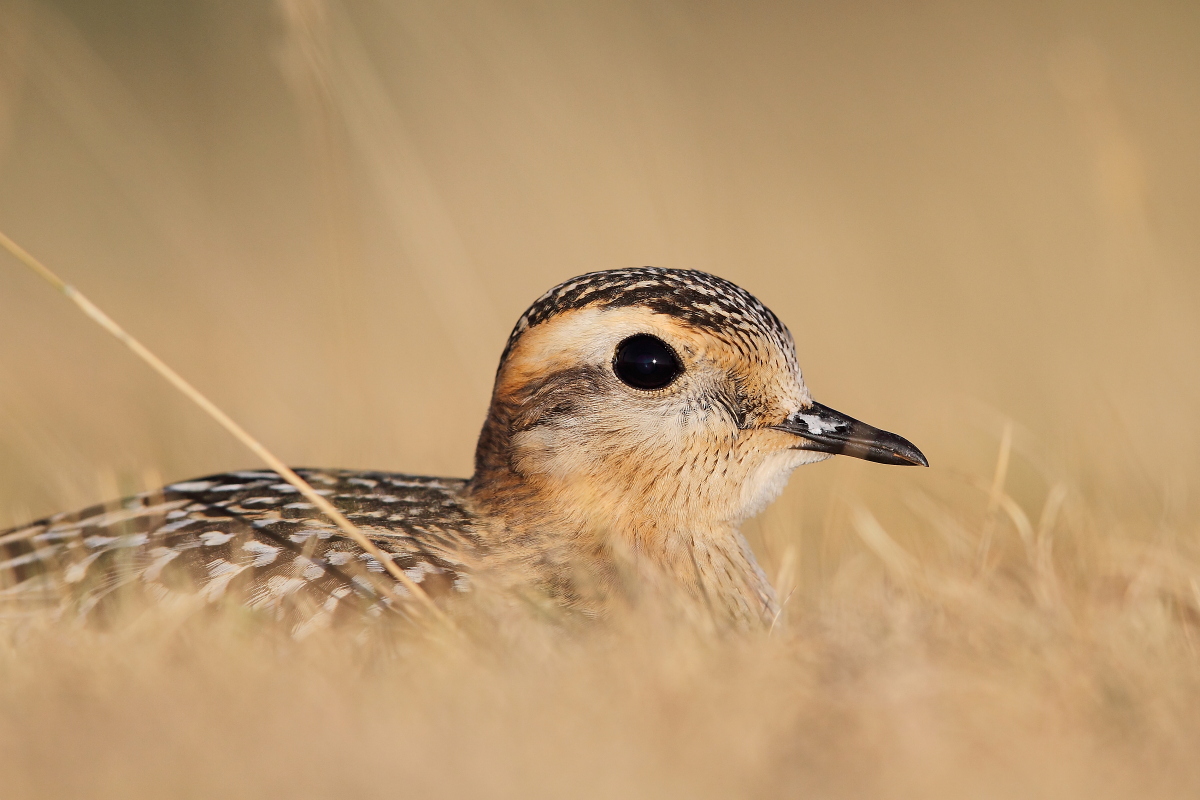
[[995, 494], [227, 422]]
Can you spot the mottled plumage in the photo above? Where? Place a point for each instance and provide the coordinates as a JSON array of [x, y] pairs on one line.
[[587, 478], [252, 534]]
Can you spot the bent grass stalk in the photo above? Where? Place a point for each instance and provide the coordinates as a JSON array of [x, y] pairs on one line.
[[209, 407]]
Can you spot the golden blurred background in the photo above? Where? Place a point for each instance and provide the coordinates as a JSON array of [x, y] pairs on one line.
[[975, 218], [329, 215]]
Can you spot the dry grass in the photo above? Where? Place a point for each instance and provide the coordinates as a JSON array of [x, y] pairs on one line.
[[942, 681], [979, 223]]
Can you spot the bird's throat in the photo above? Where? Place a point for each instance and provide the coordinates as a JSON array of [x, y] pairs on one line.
[[589, 547]]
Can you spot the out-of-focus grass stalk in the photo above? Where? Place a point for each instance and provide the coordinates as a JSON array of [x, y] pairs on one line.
[[191, 392], [996, 493]]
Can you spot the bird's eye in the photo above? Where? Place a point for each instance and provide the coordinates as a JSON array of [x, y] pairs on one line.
[[646, 362]]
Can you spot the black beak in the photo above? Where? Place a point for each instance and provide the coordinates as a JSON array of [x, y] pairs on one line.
[[827, 431]]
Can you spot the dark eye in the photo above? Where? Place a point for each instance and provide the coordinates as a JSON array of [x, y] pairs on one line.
[[646, 362]]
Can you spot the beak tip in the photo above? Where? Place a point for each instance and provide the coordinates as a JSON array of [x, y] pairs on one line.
[[901, 457], [905, 453], [917, 458]]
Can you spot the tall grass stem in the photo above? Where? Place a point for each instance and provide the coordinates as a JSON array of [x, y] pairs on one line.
[[225, 421]]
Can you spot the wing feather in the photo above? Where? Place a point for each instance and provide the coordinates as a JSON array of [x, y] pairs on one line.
[[250, 536]]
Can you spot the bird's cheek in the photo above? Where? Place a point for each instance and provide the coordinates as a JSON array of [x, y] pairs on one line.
[[547, 452], [568, 454]]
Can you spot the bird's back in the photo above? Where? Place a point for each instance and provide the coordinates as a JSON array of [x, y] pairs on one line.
[[252, 536]]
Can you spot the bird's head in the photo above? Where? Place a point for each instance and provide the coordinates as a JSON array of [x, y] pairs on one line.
[[656, 399]]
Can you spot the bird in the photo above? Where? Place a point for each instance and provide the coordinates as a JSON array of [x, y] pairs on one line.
[[638, 417]]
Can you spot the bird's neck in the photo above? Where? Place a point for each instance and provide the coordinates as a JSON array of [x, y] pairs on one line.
[[583, 538]]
